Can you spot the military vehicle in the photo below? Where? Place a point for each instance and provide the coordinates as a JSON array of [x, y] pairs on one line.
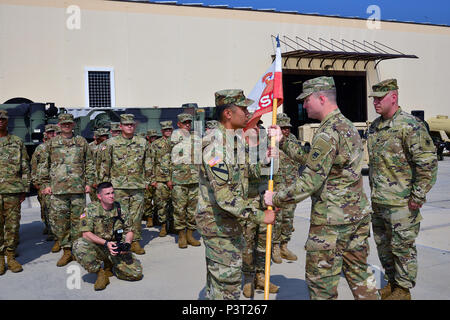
[[440, 131], [27, 119]]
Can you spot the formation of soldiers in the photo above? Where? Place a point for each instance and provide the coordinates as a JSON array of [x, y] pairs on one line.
[[132, 178]]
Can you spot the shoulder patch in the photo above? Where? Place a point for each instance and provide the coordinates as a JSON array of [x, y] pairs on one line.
[[319, 150], [220, 171]]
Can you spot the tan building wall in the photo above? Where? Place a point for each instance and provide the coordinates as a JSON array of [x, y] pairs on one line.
[[168, 55]]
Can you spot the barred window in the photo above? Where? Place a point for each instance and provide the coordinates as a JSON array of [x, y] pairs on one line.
[[100, 88]]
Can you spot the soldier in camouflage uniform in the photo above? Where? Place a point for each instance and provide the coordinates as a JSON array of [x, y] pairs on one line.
[[100, 135], [115, 129], [162, 174], [14, 183], [340, 212], [100, 222], [211, 124], [127, 164], [254, 252], [285, 177], [223, 201], [66, 172], [185, 180], [152, 135], [402, 169], [44, 200]]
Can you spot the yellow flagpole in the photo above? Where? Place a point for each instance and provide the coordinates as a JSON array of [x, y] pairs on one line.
[[269, 226]]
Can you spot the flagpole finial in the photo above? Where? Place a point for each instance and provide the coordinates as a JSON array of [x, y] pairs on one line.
[[278, 40]]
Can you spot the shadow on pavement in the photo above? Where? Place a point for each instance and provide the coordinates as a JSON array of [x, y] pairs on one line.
[[290, 288], [32, 243]]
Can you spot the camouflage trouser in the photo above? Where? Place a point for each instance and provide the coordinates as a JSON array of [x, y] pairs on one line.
[[331, 249], [45, 206], [287, 223], [65, 211], [148, 202], [91, 255], [395, 231], [9, 221], [133, 200], [162, 201], [184, 200], [222, 282]]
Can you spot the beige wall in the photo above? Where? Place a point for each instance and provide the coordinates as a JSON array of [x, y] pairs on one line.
[[169, 55]]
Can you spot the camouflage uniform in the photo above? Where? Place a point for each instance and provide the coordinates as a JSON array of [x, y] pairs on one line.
[[95, 148], [103, 224], [67, 168], [14, 180], [44, 199], [223, 202], [127, 164], [340, 212], [184, 177], [402, 167], [150, 192], [162, 173]]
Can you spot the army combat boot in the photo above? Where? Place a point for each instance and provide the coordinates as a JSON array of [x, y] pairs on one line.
[[259, 283], [190, 238], [386, 291], [149, 222], [136, 248], [399, 293], [286, 253], [276, 256], [102, 280], [56, 247], [249, 285], [108, 267], [182, 242], [2, 264], [13, 265], [163, 231], [66, 258]]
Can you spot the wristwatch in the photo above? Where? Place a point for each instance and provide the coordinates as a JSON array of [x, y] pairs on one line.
[[106, 244]]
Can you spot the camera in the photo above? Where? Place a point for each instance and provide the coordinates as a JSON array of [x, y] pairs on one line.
[[122, 247]]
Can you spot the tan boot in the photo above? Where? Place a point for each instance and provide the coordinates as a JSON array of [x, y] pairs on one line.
[[182, 242], [66, 258], [56, 247], [399, 293], [276, 256], [259, 283], [136, 248], [286, 253], [190, 238], [108, 267], [163, 231], [2, 264], [249, 286], [386, 291], [149, 222], [13, 265], [102, 280]]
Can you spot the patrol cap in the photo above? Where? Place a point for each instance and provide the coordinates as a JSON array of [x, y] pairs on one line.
[[212, 124], [115, 126], [102, 132], [382, 88], [315, 85], [282, 115], [127, 118], [50, 127], [3, 114], [232, 96], [182, 117], [166, 124], [65, 118], [152, 133], [189, 105], [284, 122]]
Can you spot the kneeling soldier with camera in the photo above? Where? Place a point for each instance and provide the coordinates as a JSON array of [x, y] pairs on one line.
[[107, 236]]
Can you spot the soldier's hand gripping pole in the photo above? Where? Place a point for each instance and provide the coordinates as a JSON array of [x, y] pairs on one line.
[[269, 226]]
